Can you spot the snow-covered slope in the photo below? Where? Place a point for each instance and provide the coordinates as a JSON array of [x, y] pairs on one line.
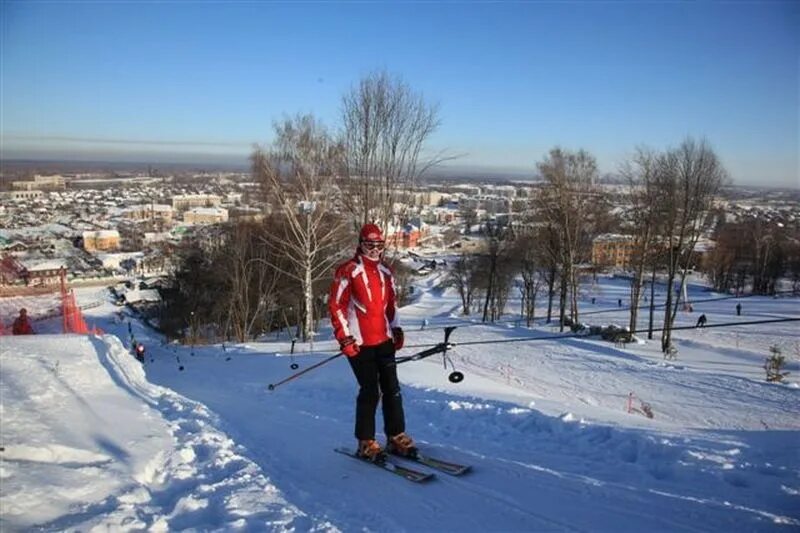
[[88, 441], [93, 439]]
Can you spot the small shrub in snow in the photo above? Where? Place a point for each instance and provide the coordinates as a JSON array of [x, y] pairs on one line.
[[672, 353], [774, 364], [643, 408], [616, 334], [581, 328]]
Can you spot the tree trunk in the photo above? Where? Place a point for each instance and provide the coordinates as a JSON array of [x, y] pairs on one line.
[[551, 281], [652, 303], [574, 293], [562, 301], [489, 289], [308, 293]]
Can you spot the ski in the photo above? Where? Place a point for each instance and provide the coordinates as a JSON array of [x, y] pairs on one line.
[[448, 467], [390, 466]]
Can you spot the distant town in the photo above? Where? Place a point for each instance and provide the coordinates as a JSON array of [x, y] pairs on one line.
[[101, 224]]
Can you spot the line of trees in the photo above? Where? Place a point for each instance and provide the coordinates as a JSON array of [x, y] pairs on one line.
[[671, 195], [318, 187], [753, 253]]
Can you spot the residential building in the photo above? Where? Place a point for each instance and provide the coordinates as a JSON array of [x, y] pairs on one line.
[[206, 215], [161, 212], [102, 240], [45, 273], [407, 236], [183, 202], [26, 194], [612, 250], [53, 183]]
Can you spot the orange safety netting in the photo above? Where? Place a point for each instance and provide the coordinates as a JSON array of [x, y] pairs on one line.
[[73, 318], [43, 303]]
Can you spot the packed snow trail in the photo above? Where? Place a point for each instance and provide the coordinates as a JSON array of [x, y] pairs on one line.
[[526, 464]]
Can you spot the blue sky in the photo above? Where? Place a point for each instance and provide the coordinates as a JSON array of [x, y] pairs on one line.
[[177, 80]]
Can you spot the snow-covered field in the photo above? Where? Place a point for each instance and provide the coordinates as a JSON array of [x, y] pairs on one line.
[[92, 440]]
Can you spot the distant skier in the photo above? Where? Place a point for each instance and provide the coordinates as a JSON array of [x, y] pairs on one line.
[[22, 325], [738, 309], [364, 316], [139, 353], [701, 321]]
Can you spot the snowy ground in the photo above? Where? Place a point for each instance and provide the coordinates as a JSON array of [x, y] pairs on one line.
[[93, 440]]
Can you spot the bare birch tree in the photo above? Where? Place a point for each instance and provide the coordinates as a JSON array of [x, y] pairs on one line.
[[462, 277], [298, 176], [565, 202], [643, 217], [550, 254], [528, 256], [385, 127], [253, 288], [497, 280], [689, 178]]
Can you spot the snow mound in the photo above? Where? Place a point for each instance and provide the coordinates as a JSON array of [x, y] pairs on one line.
[[88, 442]]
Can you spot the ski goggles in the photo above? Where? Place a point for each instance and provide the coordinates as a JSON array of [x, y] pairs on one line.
[[373, 245]]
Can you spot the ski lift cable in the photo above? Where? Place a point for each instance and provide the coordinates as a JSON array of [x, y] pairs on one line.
[[467, 323], [456, 376], [433, 347], [674, 328]]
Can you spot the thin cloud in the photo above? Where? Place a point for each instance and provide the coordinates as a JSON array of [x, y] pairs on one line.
[[141, 142]]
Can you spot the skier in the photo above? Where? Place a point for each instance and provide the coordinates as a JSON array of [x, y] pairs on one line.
[[738, 309], [139, 352], [701, 321], [22, 325], [364, 318]]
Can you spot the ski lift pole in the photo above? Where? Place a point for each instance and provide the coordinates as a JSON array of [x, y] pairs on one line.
[[455, 376], [272, 386], [439, 348]]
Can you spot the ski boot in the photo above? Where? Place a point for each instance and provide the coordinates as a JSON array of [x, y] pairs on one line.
[[402, 445], [370, 450]]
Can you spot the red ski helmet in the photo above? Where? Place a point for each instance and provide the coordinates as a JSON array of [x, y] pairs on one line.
[[370, 232]]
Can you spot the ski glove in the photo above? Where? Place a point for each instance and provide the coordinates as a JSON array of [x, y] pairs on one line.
[[349, 346], [398, 337]]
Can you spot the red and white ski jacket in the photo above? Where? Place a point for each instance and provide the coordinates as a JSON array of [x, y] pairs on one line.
[[362, 301]]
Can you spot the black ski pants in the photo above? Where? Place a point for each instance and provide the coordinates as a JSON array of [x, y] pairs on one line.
[[376, 372]]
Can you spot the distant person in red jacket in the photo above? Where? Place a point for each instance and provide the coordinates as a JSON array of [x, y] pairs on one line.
[[364, 317], [22, 325], [139, 352]]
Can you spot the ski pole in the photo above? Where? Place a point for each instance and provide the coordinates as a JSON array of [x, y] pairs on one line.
[[272, 386]]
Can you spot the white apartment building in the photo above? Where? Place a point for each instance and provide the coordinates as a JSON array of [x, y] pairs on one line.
[[206, 215], [161, 212], [429, 198], [22, 195], [55, 182], [182, 202]]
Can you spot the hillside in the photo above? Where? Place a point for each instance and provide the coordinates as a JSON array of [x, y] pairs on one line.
[[92, 439]]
